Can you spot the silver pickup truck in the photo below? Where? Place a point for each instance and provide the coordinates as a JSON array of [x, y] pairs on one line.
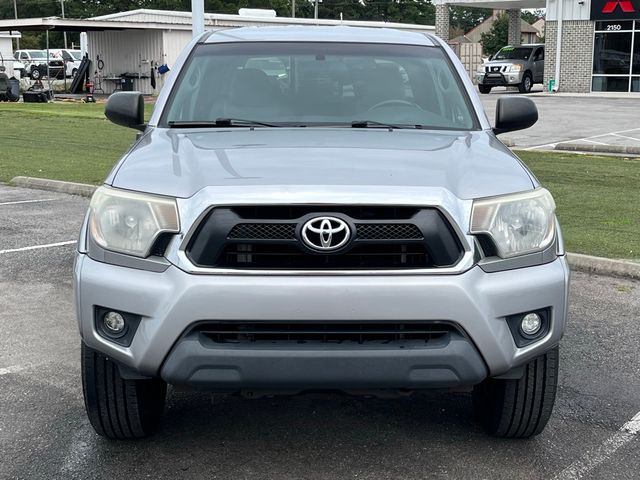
[[320, 208], [520, 66]]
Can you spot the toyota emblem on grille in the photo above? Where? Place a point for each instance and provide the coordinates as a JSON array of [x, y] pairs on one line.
[[325, 233]]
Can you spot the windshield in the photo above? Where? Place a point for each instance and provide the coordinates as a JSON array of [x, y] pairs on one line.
[[513, 53], [75, 54], [37, 54], [320, 84]]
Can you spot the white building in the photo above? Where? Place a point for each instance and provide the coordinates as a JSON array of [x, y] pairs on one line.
[[6, 50], [136, 41]]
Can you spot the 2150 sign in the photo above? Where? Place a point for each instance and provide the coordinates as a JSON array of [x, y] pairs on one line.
[[615, 9]]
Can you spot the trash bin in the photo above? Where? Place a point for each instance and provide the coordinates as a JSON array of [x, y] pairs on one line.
[[127, 84], [14, 89]]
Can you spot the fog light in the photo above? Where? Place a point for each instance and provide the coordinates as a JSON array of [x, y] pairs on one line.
[[114, 322], [531, 324]]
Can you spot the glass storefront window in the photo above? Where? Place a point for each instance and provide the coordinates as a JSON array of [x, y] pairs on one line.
[[612, 53], [636, 52], [610, 84], [616, 56]]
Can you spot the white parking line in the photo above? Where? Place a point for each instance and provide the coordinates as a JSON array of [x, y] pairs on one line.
[[37, 247], [625, 136], [29, 201], [610, 446], [588, 139], [12, 369]]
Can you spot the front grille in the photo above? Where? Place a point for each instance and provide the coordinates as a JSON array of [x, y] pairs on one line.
[[268, 237], [327, 333], [287, 231]]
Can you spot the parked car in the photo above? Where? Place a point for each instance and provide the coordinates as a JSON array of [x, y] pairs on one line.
[[521, 66], [34, 64], [71, 59], [348, 221]]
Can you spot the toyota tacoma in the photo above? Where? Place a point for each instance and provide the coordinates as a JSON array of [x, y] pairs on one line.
[[320, 208]]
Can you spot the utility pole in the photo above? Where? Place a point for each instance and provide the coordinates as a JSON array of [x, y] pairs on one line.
[[64, 34], [15, 13], [197, 17], [315, 10], [293, 8]]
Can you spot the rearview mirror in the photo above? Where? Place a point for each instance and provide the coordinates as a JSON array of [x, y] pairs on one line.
[[514, 113], [126, 109]]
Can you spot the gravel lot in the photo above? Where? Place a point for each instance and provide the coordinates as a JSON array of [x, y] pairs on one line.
[[44, 433]]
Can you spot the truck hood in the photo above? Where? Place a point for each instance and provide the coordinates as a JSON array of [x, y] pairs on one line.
[[179, 163]]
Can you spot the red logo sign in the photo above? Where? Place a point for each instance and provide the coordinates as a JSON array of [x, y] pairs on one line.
[[625, 5]]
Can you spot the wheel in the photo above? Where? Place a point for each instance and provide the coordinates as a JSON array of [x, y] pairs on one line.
[[526, 84], [484, 89], [35, 74], [119, 408], [73, 72], [519, 408]]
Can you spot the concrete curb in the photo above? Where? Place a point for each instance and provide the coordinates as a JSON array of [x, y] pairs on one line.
[[580, 147], [604, 266], [59, 186], [585, 263]]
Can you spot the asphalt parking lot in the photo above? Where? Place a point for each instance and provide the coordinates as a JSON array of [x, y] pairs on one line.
[[585, 119], [44, 433]]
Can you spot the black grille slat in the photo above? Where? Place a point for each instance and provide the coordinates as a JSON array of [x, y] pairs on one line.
[[264, 231], [324, 333], [292, 212], [388, 231], [278, 256]]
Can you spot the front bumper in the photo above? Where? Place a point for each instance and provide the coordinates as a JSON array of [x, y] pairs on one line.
[[498, 79], [172, 301]]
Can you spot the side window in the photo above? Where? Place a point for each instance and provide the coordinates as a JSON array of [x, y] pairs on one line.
[[539, 54], [24, 56]]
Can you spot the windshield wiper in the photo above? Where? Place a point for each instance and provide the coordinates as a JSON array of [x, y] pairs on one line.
[[219, 122], [373, 123]]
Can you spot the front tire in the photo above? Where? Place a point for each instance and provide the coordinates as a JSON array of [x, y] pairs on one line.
[[35, 74], [526, 84], [519, 408], [119, 408], [484, 89]]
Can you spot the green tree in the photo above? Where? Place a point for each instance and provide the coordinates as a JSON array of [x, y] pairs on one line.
[[464, 19], [497, 37], [532, 17]]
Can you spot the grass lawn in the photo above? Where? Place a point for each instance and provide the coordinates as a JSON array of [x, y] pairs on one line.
[[61, 141], [598, 198]]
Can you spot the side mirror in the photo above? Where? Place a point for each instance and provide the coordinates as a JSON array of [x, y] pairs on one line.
[[126, 109], [514, 113]]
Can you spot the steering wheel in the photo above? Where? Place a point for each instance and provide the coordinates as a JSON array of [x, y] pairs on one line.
[[392, 102]]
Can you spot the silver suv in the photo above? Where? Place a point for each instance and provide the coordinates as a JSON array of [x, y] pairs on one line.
[[320, 208], [520, 66]]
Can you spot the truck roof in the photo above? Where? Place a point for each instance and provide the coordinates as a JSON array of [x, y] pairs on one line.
[[295, 33]]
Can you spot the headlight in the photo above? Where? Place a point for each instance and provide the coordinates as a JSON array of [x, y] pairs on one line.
[[129, 222], [515, 68], [518, 224]]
